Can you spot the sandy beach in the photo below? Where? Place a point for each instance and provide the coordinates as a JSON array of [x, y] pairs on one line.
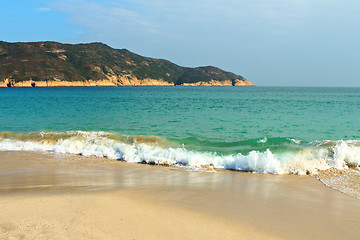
[[60, 196], [110, 215]]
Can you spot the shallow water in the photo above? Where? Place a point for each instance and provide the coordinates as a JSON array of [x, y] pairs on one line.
[[187, 114], [256, 129]]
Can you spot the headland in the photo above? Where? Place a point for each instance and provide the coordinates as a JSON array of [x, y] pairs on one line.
[[53, 64]]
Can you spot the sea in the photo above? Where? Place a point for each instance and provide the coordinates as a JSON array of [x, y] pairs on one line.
[[267, 130]]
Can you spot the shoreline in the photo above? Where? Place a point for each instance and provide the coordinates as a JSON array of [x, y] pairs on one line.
[[45, 192], [117, 82]]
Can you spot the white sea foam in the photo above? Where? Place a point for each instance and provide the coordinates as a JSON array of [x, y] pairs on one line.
[[321, 156], [263, 140], [294, 140]]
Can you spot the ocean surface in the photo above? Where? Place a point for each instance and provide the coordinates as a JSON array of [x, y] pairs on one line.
[[256, 129]]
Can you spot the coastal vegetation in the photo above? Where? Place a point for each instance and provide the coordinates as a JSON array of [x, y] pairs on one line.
[[46, 62]]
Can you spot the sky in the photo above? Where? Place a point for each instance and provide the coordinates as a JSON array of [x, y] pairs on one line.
[[269, 42]]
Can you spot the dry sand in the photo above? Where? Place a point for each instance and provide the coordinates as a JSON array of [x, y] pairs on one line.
[[108, 215], [54, 196]]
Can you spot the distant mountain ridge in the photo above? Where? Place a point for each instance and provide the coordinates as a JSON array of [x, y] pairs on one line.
[[96, 64]]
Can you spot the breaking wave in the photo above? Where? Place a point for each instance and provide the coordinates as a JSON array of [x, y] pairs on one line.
[[292, 157]]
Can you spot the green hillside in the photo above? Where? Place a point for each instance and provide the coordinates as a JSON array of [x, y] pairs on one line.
[[44, 61]]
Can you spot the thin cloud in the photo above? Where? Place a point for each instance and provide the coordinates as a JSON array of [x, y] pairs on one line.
[[43, 9], [189, 19], [103, 18]]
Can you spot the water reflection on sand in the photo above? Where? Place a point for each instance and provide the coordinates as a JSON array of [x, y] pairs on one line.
[[274, 203], [31, 171]]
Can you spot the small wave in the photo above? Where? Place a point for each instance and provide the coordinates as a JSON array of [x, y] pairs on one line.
[[294, 140], [264, 140], [319, 155], [244, 147]]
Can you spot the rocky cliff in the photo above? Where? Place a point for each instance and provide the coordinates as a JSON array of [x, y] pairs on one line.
[[52, 64]]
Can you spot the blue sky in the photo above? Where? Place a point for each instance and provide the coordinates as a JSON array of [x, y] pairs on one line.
[[271, 43]]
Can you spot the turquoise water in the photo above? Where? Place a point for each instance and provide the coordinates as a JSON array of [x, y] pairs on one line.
[[216, 121]]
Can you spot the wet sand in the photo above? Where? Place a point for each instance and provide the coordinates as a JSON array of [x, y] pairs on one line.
[[346, 181], [56, 196]]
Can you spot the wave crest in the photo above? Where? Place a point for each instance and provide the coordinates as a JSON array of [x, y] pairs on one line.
[[320, 155]]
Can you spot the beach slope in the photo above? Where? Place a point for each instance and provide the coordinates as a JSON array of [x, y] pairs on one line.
[[63, 196]]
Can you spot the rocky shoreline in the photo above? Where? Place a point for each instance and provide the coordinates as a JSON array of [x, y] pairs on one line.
[[117, 81]]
